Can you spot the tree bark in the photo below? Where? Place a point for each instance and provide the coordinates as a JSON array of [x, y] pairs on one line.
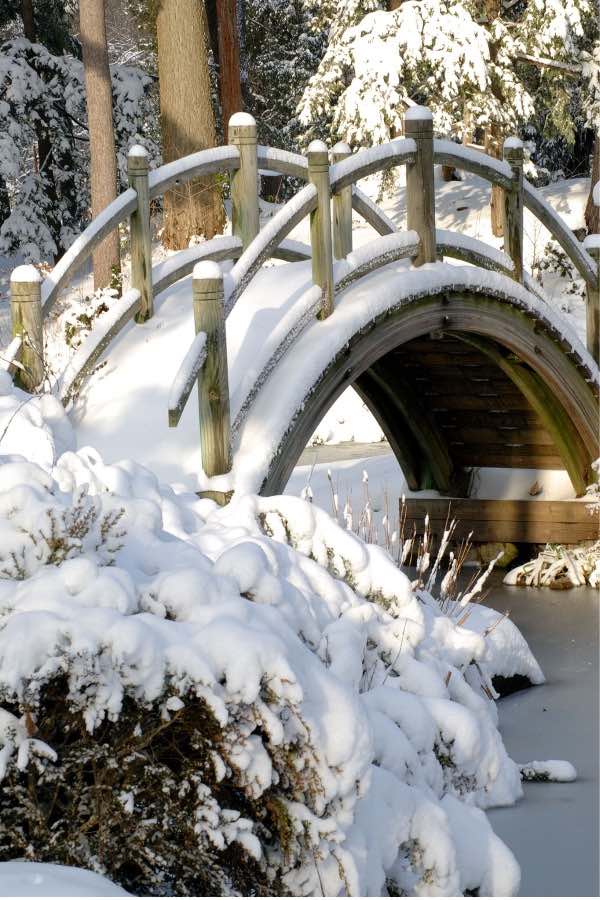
[[229, 62], [103, 157], [186, 119], [592, 212]]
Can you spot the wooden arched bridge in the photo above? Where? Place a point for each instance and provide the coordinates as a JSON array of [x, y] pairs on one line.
[[463, 365]]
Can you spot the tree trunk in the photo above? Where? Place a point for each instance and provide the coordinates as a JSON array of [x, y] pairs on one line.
[[42, 136], [229, 62], [103, 157], [186, 119], [592, 212]]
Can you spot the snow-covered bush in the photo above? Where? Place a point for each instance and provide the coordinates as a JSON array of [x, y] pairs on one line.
[[248, 699]]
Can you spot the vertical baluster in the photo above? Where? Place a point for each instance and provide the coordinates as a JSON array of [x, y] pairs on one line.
[[213, 382], [320, 225], [139, 231], [244, 181], [592, 245], [27, 321], [342, 209], [512, 207], [420, 190]]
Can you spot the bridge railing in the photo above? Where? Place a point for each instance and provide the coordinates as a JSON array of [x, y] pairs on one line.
[[328, 198]]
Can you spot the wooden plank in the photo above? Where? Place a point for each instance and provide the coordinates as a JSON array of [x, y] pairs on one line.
[[420, 189], [517, 521]]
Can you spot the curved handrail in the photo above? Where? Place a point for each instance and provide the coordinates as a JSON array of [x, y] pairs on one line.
[[283, 161], [541, 209], [175, 267], [84, 245], [270, 237], [496, 171], [374, 159], [204, 162], [470, 250]]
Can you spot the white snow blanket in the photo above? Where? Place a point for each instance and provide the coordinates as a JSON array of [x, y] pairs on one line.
[[181, 595]]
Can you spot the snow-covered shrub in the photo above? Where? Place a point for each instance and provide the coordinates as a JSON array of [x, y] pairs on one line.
[[248, 699]]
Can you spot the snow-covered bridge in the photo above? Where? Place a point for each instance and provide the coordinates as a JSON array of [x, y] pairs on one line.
[[462, 364]]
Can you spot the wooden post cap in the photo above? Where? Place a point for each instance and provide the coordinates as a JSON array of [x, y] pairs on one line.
[[418, 119], [25, 282], [137, 160], [513, 151], [242, 128], [318, 155], [207, 280], [340, 151]]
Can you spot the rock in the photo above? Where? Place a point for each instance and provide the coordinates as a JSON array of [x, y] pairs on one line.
[[487, 552]]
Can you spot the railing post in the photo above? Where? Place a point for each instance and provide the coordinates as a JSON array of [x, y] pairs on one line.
[[27, 321], [213, 384], [139, 231], [592, 245], [420, 190], [512, 206], [342, 209], [320, 225], [244, 181]]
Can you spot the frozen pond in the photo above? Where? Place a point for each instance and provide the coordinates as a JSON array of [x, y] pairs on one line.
[[553, 831]]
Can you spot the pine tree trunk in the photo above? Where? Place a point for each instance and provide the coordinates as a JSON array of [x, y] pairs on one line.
[[592, 212], [103, 158], [186, 119], [229, 61]]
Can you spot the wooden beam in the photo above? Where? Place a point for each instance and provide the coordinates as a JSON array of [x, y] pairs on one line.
[[551, 413], [517, 521]]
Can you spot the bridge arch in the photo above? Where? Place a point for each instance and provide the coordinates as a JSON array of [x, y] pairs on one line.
[[488, 316]]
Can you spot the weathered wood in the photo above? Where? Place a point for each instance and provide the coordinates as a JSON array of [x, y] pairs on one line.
[[367, 162], [282, 162], [342, 209], [140, 237], [244, 180], [551, 413], [371, 213], [194, 165], [27, 323], [213, 386], [448, 153], [187, 376], [517, 521], [420, 190], [320, 225], [592, 245], [512, 207]]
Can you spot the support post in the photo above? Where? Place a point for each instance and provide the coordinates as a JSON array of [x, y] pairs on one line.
[[592, 245], [139, 231], [213, 383], [244, 181], [342, 209], [420, 190], [512, 207], [320, 225], [27, 322]]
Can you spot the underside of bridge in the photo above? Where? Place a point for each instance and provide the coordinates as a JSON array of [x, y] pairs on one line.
[[447, 406]]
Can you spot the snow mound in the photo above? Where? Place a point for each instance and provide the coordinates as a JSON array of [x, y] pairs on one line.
[[336, 694], [27, 879]]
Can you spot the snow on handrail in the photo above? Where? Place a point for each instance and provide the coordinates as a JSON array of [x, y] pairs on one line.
[[282, 161], [109, 325], [550, 219], [374, 159], [83, 246], [371, 213], [170, 270], [496, 171], [204, 162], [9, 357], [186, 378], [375, 255], [267, 240], [470, 250]]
